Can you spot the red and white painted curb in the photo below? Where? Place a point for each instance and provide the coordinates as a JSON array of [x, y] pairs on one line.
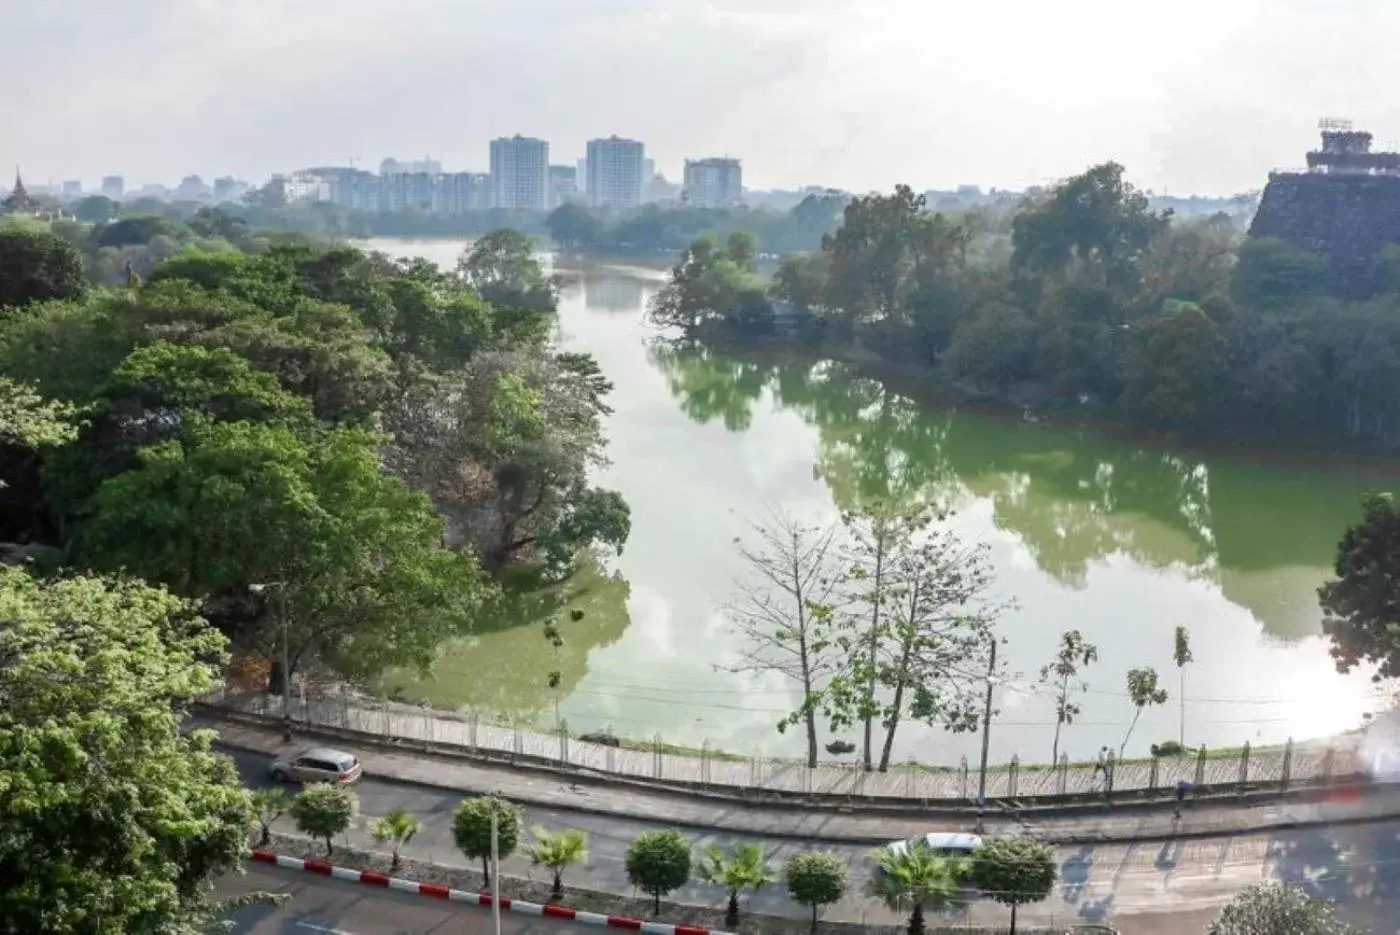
[[565, 913]]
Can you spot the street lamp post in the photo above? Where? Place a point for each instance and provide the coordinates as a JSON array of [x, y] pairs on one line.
[[261, 589], [986, 738]]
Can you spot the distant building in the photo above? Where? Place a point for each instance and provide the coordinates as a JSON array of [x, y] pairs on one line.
[[410, 167], [661, 190], [305, 186], [520, 173], [113, 186], [192, 188], [714, 182], [615, 172], [72, 188], [582, 176], [458, 193], [18, 202], [400, 191], [563, 185]]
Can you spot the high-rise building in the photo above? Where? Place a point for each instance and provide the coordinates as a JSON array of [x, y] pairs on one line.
[[461, 192], [615, 169], [582, 177], [714, 182], [563, 185], [520, 173], [72, 188], [192, 188], [401, 191], [113, 186], [410, 166]]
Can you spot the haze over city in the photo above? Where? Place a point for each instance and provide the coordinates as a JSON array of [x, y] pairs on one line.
[[1193, 98]]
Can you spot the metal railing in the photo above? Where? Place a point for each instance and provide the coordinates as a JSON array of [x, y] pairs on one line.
[[1247, 769]]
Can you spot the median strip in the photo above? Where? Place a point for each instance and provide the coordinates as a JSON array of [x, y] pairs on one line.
[[563, 913]]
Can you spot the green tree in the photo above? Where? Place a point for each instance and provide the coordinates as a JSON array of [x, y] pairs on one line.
[[914, 880], [115, 820], [1277, 909], [396, 829], [558, 851], [923, 617], [992, 348], [1143, 691], [1272, 275], [503, 269], [1359, 606], [96, 209], [1074, 654], [743, 867], [573, 225], [874, 256], [658, 862], [1014, 872], [1181, 655], [1174, 365], [323, 810], [268, 806], [136, 230], [815, 879], [26, 418], [471, 830], [37, 266], [368, 584]]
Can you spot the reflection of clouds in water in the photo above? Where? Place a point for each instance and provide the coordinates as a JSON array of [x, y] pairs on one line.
[[652, 621]]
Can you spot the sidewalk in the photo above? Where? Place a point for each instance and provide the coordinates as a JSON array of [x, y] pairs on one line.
[[1203, 819]]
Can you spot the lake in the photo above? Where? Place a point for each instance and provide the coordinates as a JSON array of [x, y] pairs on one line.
[[1122, 540]]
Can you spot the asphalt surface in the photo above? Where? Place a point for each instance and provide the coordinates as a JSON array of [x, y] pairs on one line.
[[1147, 888], [319, 906]]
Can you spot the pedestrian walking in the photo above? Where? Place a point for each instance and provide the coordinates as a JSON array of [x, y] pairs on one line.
[[1182, 788]]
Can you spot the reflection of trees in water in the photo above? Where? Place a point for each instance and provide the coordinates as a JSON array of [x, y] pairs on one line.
[[1356, 868], [612, 291], [503, 668], [1074, 497]]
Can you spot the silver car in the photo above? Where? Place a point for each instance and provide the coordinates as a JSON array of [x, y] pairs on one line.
[[321, 764], [943, 844]]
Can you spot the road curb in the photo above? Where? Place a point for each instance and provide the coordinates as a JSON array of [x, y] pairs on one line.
[[437, 891]]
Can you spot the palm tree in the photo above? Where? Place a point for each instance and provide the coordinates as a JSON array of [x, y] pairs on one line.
[[743, 867], [396, 828], [557, 852], [915, 879]]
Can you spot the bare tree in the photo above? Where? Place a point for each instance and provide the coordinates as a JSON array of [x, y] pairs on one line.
[[783, 609]]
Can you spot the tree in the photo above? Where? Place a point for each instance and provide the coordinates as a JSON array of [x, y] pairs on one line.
[[1361, 606], [1142, 691], [323, 810], [471, 830], [115, 820], [27, 419], [992, 347], [502, 268], [1277, 909], [815, 879], [658, 862], [914, 880], [1272, 275], [1174, 365], [926, 597], [396, 829], [573, 225], [368, 583], [96, 209], [37, 266], [1014, 872], [873, 263], [783, 613], [743, 867], [268, 806], [557, 851], [1074, 653], [1181, 655], [710, 283]]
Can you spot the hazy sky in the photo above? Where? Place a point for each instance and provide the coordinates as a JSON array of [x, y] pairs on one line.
[[1191, 96]]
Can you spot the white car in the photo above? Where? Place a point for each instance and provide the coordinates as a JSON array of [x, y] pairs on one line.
[[318, 765], [942, 843]]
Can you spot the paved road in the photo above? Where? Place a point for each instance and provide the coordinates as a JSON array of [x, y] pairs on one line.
[[318, 906], [1144, 888]]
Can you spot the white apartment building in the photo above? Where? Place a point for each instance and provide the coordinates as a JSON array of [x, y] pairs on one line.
[[714, 183], [520, 173], [462, 192], [615, 173]]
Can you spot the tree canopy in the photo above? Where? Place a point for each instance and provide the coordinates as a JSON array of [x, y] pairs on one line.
[[114, 819]]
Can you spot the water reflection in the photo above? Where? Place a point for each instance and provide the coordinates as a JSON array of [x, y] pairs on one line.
[[1265, 535]]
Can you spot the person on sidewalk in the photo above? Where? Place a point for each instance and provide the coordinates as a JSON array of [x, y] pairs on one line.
[[1182, 788]]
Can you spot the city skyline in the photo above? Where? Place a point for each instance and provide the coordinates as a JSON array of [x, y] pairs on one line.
[[1196, 97]]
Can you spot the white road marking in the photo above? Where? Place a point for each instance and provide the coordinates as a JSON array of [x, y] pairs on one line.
[[322, 928]]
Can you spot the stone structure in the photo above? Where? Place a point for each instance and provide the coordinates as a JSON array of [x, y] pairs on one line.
[[1344, 206]]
